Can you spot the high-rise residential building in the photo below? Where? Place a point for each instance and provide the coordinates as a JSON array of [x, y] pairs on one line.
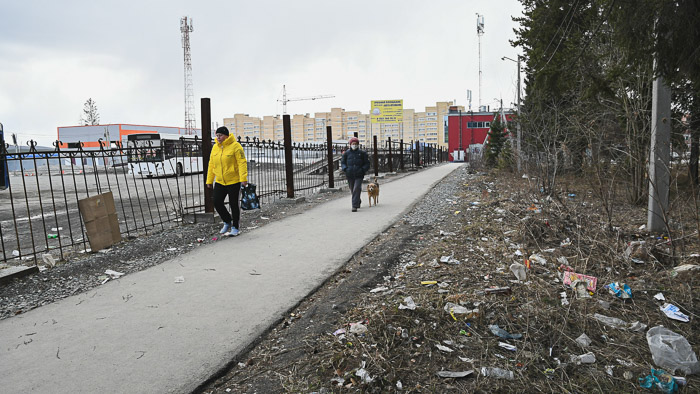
[[244, 126], [428, 126]]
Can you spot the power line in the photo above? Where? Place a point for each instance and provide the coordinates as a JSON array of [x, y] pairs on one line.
[[566, 31], [557, 32]]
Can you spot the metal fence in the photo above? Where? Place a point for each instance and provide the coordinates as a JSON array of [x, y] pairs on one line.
[[39, 203]]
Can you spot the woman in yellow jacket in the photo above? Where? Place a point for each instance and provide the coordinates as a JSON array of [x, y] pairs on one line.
[[228, 167]]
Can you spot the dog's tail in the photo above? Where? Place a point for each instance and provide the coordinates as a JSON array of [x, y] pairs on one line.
[[375, 180]]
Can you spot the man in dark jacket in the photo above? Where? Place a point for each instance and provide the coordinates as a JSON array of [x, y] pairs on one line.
[[355, 164]]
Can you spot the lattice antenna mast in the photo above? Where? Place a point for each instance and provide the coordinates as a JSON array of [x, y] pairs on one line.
[[190, 118], [479, 33]]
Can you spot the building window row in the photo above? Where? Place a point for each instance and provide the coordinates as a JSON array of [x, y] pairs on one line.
[[478, 125]]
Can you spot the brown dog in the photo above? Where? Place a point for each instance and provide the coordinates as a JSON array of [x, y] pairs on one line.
[[373, 192]]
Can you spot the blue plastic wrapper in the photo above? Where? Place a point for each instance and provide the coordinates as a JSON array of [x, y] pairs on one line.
[[660, 379], [620, 290]]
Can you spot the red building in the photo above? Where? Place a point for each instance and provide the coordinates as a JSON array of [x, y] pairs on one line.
[[467, 131]]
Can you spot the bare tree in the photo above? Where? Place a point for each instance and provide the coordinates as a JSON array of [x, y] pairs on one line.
[[90, 115]]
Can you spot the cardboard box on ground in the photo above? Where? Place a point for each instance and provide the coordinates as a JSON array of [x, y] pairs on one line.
[[100, 218]]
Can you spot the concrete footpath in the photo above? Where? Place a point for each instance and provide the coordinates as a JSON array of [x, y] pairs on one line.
[[144, 333]]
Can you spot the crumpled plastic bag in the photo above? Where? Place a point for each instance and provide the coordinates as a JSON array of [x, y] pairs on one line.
[[496, 330], [672, 351]]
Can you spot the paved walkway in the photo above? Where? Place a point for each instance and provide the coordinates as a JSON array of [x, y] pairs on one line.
[[145, 333]]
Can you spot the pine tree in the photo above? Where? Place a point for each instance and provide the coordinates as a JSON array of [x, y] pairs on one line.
[[496, 141], [90, 115]]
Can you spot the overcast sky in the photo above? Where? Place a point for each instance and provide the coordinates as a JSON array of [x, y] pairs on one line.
[[127, 56]]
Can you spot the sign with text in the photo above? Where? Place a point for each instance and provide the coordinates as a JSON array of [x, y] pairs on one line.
[[387, 111]]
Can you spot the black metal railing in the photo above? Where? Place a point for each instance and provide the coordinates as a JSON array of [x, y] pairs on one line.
[[153, 185]]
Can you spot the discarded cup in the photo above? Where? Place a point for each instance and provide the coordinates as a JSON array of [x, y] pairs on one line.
[[519, 271], [588, 358], [456, 309]]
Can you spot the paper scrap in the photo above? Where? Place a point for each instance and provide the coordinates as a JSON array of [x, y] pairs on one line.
[[674, 313], [114, 274], [571, 277]]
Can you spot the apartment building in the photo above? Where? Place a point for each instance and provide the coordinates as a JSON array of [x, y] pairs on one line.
[[428, 126], [244, 126]]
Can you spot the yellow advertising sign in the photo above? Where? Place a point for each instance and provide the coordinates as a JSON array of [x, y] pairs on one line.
[[387, 111]]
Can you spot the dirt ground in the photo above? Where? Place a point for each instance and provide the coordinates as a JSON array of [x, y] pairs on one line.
[[416, 310]]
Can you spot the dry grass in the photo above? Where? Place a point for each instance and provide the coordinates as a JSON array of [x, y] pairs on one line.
[[400, 345]]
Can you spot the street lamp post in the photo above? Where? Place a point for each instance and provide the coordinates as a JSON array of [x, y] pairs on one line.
[[517, 125]]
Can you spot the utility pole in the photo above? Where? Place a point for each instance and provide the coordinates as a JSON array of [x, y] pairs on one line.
[[109, 143], [459, 151], [659, 155], [517, 125]]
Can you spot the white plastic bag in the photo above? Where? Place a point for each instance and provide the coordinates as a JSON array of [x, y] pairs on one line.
[[672, 351]]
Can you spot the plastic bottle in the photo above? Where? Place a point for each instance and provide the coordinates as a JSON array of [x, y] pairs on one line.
[[497, 373]]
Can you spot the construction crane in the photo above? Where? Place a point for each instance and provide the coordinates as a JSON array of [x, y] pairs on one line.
[[285, 100]]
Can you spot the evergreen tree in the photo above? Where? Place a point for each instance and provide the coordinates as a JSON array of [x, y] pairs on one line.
[[90, 115], [497, 139]]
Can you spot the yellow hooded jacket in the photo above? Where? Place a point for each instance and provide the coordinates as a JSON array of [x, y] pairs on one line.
[[227, 163]]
